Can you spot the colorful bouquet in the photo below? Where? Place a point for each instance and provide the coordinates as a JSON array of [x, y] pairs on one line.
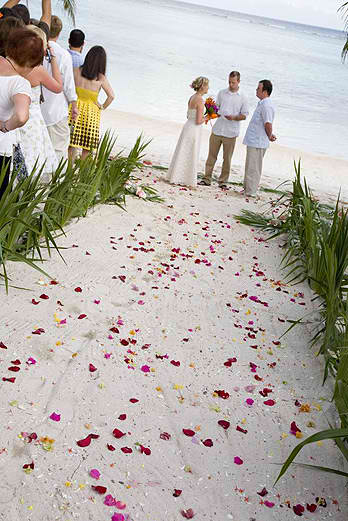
[[211, 109]]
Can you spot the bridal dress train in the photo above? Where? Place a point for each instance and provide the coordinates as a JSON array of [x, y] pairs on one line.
[[184, 164]]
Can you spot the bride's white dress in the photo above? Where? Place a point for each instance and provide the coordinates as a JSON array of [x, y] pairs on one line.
[[184, 164], [35, 141]]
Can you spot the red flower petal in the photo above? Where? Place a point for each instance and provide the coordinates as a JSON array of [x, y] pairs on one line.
[[294, 428], [187, 514], [118, 434], [145, 450], [2, 345], [222, 394], [35, 302], [224, 424], [29, 466], [44, 297], [14, 369], [127, 450], [312, 507], [177, 492], [173, 362], [124, 342], [263, 492], [54, 282], [188, 432], [92, 368], [110, 447], [298, 509], [122, 278], [99, 489], [78, 289], [16, 362], [238, 428], [208, 442], [38, 331], [165, 436], [85, 442], [80, 317], [11, 380], [269, 402], [114, 330], [133, 400], [122, 417]]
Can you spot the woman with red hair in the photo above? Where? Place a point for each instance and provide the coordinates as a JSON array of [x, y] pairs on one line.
[[24, 51]]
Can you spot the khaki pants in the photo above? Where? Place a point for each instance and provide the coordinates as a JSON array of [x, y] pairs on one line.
[[215, 142], [60, 137], [253, 169]]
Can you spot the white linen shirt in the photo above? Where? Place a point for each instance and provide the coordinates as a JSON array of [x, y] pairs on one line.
[[56, 106], [230, 103], [9, 87], [255, 135]]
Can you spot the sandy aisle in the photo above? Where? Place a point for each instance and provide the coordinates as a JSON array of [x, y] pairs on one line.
[[324, 174], [165, 301]]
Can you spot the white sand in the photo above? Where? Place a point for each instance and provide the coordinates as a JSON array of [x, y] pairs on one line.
[[198, 314]]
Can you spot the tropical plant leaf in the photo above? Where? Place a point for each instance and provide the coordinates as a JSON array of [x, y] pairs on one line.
[[329, 434]]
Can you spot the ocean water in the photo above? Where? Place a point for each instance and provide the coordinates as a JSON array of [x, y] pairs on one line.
[[156, 47]]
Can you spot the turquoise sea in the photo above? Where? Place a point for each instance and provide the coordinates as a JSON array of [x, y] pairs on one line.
[[156, 47]]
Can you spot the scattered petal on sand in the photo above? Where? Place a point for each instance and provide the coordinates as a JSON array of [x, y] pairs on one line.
[[208, 442], [177, 492], [224, 424], [298, 509], [269, 504], [126, 450], [188, 432], [238, 460], [55, 417], [263, 492], [187, 514], [118, 434], [91, 368], [94, 473], [99, 489]]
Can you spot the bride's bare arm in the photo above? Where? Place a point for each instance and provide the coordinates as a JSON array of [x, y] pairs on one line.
[[200, 112]]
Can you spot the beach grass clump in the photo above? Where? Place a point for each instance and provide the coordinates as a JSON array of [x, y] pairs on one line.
[[33, 213], [316, 250]]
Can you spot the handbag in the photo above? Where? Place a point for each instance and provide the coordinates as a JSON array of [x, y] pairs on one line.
[[19, 165]]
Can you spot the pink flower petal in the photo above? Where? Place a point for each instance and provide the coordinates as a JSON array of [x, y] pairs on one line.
[[269, 402], [117, 517], [145, 368], [268, 504], [55, 417], [238, 460], [94, 473], [109, 501]]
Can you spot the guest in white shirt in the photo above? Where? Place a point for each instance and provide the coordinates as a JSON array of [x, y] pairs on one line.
[[55, 108], [233, 108], [76, 44], [258, 136]]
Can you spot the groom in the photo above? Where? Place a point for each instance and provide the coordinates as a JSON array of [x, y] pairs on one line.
[[233, 108]]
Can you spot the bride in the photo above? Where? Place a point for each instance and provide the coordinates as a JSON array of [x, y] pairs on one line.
[[184, 164]]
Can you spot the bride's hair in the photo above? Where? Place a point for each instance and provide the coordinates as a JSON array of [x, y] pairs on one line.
[[199, 82]]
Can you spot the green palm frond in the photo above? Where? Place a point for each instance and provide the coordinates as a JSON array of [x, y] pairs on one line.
[[343, 10], [70, 7]]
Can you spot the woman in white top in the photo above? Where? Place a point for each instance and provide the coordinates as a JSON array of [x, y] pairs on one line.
[[184, 164], [35, 141], [24, 51]]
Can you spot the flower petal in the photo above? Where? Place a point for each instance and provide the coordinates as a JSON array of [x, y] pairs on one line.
[[126, 450], [208, 442], [238, 460], [99, 489], [118, 434], [224, 424], [188, 432], [55, 417], [94, 473]]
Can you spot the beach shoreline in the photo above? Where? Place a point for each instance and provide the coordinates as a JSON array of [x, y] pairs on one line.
[[326, 175]]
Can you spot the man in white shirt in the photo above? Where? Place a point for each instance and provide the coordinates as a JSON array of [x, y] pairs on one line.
[[55, 108], [257, 138], [233, 108]]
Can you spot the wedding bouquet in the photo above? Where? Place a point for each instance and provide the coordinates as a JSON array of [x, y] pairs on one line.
[[211, 109]]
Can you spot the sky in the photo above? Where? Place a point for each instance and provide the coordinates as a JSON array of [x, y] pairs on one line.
[[312, 12]]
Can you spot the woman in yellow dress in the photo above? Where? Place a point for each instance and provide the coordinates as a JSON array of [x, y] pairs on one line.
[[89, 79]]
